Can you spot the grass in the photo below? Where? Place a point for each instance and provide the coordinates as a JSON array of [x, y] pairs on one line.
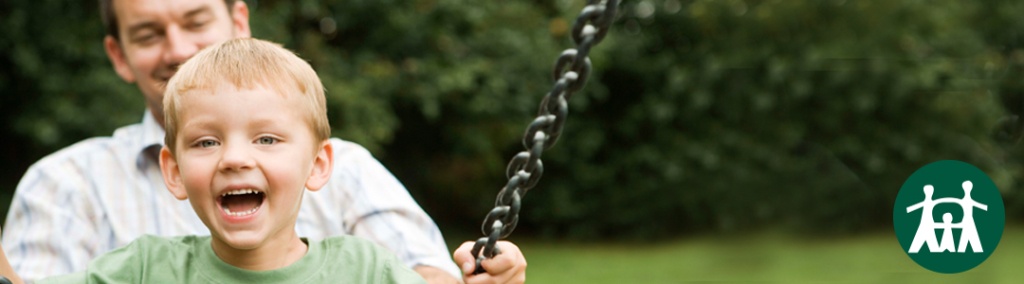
[[764, 257]]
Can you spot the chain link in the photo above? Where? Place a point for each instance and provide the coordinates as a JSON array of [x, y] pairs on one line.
[[524, 171]]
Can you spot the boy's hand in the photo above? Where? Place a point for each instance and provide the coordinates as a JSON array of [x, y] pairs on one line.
[[509, 266]]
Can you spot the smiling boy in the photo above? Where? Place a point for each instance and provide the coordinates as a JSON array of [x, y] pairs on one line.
[[104, 192], [247, 135]]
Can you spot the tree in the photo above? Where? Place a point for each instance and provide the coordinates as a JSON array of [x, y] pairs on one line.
[[699, 115]]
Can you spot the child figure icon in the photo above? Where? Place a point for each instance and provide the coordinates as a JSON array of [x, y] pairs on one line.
[[926, 230], [947, 233]]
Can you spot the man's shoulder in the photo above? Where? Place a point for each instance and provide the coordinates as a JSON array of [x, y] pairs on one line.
[[92, 148], [356, 167], [351, 159], [83, 151], [345, 148]]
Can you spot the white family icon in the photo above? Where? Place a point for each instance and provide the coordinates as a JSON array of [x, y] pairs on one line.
[[926, 231]]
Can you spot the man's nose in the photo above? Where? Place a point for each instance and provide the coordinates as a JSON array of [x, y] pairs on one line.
[[180, 46]]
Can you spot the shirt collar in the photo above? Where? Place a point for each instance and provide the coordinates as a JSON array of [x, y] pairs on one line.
[[152, 138]]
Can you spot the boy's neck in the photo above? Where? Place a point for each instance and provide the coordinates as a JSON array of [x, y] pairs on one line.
[[275, 254]]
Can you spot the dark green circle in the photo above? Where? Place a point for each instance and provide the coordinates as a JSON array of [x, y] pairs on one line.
[[946, 177]]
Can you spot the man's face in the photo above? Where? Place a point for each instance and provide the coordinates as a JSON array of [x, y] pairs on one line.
[[158, 35]]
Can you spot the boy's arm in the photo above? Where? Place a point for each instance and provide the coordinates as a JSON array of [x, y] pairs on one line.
[[379, 208], [509, 266]]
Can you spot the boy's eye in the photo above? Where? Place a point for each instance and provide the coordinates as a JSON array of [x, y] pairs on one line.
[[207, 143], [266, 140]]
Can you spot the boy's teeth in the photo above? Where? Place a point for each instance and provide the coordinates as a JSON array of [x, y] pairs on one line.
[[247, 201], [240, 192], [243, 213]]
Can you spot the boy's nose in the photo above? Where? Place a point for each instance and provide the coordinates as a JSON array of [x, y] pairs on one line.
[[236, 158]]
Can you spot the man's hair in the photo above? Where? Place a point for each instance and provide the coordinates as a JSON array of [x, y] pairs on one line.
[[246, 63], [109, 17]]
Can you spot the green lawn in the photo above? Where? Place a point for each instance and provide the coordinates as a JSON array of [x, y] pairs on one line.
[[874, 258]]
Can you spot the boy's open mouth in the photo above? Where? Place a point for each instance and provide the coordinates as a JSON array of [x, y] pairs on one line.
[[241, 202]]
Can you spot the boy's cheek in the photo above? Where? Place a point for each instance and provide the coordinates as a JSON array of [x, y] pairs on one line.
[[194, 177]]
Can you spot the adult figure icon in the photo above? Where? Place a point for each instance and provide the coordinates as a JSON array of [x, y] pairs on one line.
[[926, 229], [969, 233], [949, 183]]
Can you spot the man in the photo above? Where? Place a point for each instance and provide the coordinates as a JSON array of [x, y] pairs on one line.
[[103, 193]]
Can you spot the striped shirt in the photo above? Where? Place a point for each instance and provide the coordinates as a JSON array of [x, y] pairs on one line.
[[102, 193]]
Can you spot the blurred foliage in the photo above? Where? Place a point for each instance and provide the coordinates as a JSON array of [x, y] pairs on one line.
[[729, 115], [700, 115]]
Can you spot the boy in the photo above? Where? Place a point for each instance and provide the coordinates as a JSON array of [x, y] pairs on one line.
[[104, 192], [247, 132]]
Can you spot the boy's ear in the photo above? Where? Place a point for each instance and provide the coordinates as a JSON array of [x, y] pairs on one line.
[[116, 55], [323, 164], [240, 19], [172, 174]]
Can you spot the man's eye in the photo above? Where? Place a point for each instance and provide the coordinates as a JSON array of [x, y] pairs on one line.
[[265, 140], [142, 39], [195, 25]]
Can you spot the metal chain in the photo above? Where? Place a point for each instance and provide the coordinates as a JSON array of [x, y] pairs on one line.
[[570, 73]]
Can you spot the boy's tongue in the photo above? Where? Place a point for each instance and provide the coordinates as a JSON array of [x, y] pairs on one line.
[[242, 202]]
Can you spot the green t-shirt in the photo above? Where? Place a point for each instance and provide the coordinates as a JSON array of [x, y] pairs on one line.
[[191, 259]]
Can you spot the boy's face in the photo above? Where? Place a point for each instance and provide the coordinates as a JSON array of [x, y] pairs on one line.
[[243, 158], [156, 36]]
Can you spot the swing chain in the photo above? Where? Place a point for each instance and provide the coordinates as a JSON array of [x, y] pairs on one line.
[[524, 171]]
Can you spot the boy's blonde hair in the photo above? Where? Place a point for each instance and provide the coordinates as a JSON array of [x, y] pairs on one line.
[[246, 63]]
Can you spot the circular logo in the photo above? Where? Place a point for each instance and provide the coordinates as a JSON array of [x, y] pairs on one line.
[[949, 216]]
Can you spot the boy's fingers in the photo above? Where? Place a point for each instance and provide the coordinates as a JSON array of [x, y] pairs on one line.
[[507, 267], [463, 254], [507, 277], [468, 267], [463, 257], [499, 264]]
